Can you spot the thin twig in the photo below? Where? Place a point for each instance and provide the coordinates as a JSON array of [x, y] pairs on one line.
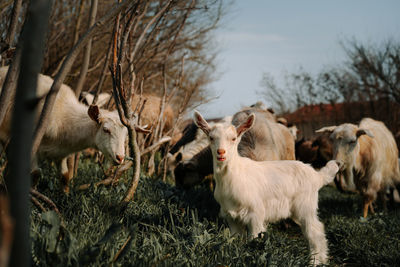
[[37, 204], [45, 199], [155, 145], [122, 248]]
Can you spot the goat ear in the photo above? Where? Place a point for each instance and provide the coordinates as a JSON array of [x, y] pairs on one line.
[[362, 132], [94, 113], [201, 122], [246, 125], [326, 129], [283, 121]]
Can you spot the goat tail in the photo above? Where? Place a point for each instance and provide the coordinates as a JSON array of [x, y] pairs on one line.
[[328, 172]]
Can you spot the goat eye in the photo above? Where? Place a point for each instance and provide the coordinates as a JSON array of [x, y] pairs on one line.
[[211, 138], [106, 130], [234, 139]]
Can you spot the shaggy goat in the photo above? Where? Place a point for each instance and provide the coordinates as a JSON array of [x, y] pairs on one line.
[[72, 127], [369, 158], [254, 193]]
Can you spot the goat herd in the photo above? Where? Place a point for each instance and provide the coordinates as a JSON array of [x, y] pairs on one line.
[[257, 179], [250, 155]]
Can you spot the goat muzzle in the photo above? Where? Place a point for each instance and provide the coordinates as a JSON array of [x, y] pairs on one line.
[[220, 156], [220, 151], [119, 159]]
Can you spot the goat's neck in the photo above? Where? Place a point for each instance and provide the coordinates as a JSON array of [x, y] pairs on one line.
[[223, 169], [84, 129], [75, 132]]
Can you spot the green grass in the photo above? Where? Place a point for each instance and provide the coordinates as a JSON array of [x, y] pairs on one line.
[[168, 226]]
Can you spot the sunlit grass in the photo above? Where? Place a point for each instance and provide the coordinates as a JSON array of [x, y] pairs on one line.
[[167, 226]]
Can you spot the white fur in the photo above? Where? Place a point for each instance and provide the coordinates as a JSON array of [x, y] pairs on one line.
[[192, 148], [253, 193], [293, 130], [70, 129]]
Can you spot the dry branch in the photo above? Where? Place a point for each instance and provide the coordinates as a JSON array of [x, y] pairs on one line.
[[155, 145], [86, 56], [13, 23], [122, 248], [123, 96], [78, 21], [38, 204], [47, 200]]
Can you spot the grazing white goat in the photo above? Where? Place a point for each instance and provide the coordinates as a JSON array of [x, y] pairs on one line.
[[369, 158], [72, 127], [254, 193]]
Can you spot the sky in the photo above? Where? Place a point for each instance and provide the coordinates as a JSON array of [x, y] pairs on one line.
[[265, 36]]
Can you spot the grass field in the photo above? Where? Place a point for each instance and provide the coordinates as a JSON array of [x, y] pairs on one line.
[[167, 226]]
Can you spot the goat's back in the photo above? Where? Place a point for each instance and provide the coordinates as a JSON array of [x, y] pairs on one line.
[[380, 152], [151, 111], [266, 140], [65, 101]]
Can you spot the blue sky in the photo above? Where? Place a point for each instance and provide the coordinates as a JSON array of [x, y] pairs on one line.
[[277, 36]]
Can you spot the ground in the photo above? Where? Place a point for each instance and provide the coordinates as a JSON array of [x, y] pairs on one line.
[[168, 226]]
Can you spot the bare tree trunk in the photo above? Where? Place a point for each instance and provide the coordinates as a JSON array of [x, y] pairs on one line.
[[18, 178], [86, 57], [14, 22], [66, 66]]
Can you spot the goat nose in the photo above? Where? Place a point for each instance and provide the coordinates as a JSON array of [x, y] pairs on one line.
[[220, 151], [119, 158]]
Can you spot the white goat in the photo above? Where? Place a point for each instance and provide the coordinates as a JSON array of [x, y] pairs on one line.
[[73, 127], [254, 193], [192, 148]]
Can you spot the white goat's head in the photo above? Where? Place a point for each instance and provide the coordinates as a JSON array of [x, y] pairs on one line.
[[224, 137], [111, 134], [345, 142]]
